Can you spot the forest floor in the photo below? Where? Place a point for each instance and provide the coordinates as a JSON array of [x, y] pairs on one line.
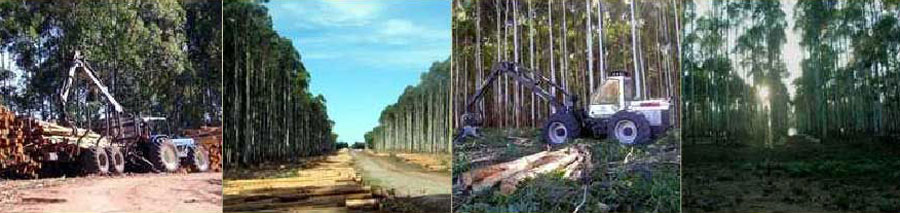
[[645, 186], [801, 176], [193, 192], [412, 187]]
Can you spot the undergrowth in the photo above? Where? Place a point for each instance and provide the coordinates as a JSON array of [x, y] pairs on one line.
[[648, 188]]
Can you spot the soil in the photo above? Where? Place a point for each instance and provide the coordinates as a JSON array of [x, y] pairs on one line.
[[800, 176], [174, 192], [408, 182]]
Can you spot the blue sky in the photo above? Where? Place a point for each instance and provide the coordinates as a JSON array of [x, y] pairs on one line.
[[362, 54]]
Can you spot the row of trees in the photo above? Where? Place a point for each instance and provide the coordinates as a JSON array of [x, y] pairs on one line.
[[159, 58], [419, 121], [272, 117], [734, 70], [573, 44], [851, 68]]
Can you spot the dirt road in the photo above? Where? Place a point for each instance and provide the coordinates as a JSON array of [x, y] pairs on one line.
[[196, 192], [405, 179]]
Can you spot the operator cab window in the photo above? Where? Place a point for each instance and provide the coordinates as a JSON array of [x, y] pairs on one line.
[[608, 93]]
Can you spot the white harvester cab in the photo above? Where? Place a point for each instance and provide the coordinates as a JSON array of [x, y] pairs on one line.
[[614, 102]]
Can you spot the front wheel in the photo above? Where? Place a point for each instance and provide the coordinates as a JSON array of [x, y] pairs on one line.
[[163, 155], [198, 159], [629, 128], [560, 128]]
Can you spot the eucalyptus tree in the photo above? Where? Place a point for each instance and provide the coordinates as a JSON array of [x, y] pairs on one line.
[[417, 122], [270, 115], [560, 47]]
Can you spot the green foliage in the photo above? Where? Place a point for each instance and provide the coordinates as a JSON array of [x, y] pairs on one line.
[[418, 121], [851, 77], [272, 115], [649, 188], [358, 146], [341, 145], [135, 47]]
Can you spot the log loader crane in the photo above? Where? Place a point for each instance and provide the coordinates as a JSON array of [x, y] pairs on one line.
[[143, 142], [611, 111]]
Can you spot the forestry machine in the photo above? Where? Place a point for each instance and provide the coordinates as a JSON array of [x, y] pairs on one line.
[[612, 111], [141, 140]]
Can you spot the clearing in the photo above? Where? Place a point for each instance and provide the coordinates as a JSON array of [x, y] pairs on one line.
[[172, 192], [802, 175]]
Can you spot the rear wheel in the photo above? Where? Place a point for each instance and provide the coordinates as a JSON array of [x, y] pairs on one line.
[[116, 160], [95, 160], [629, 128], [198, 159], [560, 128], [163, 155]]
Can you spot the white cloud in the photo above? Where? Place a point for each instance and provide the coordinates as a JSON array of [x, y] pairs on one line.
[[312, 14]]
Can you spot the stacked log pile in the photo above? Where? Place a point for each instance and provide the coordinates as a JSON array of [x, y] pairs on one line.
[[574, 161], [211, 140], [13, 156], [329, 184], [24, 141]]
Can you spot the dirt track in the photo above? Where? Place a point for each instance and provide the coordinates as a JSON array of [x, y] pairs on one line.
[[196, 192], [406, 180]]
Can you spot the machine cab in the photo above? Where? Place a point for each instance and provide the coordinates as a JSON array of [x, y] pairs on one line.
[[611, 95]]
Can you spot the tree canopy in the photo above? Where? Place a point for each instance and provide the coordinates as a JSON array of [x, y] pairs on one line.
[[272, 116]]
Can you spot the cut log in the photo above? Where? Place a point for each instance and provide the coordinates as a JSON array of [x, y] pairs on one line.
[[499, 171], [550, 163], [361, 203], [509, 174]]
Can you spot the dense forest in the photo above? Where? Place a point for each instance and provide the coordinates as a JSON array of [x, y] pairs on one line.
[[735, 70], [851, 73], [791, 106], [158, 58], [574, 44], [272, 117], [418, 121]]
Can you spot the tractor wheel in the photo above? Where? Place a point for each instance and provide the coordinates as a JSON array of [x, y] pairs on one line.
[[116, 160], [198, 159], [94, 160], [561, 127], [629, 128], [163, 155]]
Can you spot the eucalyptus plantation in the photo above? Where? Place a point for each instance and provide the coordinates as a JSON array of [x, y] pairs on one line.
[[272, 115], [556, 38], [418, 121]]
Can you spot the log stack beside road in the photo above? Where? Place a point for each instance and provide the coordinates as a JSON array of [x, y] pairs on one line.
[[211, 140]]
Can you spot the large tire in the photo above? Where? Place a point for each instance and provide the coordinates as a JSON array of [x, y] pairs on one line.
[[163, 155], [629, 128], [94, 160], [561, 128], [116, 160], [198, 159]]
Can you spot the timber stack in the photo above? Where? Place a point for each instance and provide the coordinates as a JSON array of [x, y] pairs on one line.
[[330, 184], [211, 140], [25, 141], [13, 156]]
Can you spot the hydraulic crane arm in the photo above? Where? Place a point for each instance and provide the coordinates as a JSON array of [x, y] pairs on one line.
[[527, 78], [521, 75], [67, 84]]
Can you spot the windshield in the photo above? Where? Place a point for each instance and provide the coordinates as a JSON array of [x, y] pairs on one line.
[[608, 93], [158, 127]]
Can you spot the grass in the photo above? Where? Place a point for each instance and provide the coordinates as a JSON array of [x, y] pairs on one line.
[[650, 188], [839, 176]]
